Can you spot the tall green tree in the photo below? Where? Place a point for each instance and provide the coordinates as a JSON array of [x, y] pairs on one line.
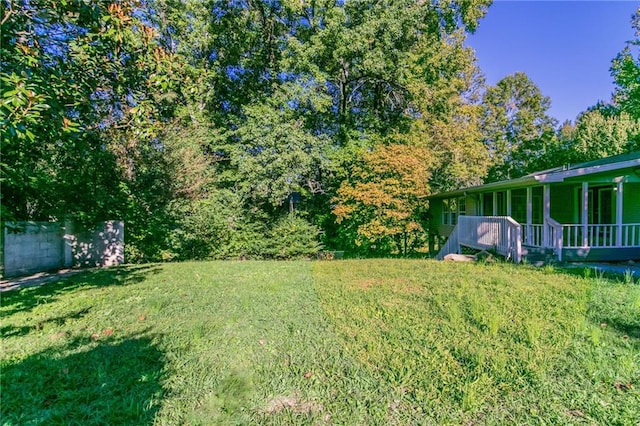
[[595, 135], [445, 82], [156, 111], [277, 152], [90, 89], [625, 70], [516, 125], [40, 123], [363, 52]]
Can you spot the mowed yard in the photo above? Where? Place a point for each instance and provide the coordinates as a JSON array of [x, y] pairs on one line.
[[355, 342]]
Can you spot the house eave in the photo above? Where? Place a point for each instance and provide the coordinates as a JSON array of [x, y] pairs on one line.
[[545, 177], [494, 186]]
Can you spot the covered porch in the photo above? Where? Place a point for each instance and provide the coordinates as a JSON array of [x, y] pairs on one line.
[[595, 220]]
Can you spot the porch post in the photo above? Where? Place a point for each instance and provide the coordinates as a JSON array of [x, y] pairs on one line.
[[508, 202], [527, 233], [495, 203], [619, 198], [546, 214], [585, 214], [432, 244]]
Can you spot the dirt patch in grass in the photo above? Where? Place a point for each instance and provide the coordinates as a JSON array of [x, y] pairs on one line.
[[366, 284], [294, 404], [398, 284]]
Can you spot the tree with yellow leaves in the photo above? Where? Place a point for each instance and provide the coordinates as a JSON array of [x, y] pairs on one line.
[[382, 203]]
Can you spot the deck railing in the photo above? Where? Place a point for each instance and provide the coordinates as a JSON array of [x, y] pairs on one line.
[[630, 235], [601, 235], [500, 233], [533, 235], [556, 238], [506, 236]]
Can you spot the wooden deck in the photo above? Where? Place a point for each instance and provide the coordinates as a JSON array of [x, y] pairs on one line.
[[569, 242]]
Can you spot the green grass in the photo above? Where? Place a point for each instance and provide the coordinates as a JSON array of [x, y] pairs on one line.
[[350, 342]]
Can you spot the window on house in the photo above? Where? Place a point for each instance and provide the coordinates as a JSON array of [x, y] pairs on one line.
[[449, 211], [445, 212], [462, 206], [453, 211]]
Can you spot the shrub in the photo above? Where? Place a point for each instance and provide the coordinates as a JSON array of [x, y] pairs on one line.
[[293, 237], [218, 227]]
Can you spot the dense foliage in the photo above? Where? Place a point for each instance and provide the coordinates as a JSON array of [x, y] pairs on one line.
[[224, 129]]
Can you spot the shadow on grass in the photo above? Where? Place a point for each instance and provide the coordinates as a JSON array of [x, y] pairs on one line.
[[624, 326], [27, 298], [589, 272], [11, 331], [85, 382], [615, 310]]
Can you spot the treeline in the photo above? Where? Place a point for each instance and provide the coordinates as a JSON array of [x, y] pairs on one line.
[[270, 128]]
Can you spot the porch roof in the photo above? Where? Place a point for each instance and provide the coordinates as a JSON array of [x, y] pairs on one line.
[[630, 161]]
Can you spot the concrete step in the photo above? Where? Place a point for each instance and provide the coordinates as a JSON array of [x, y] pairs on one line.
[[538, 256]]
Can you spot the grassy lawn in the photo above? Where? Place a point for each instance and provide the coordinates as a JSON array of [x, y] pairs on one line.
[[348, 342]]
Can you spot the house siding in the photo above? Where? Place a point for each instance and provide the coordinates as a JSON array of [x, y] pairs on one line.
[[472, 206], [437, 227], [435, 208], [600, 254], [631, 203]]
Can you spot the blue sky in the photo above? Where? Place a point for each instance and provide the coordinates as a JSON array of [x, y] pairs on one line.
[[565, 47]]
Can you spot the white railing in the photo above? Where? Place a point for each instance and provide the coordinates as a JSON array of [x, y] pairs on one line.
[[505, 236], [533, 235], [601, 235], [500, 233], [556, 239], [547, 235], [630, 235]]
